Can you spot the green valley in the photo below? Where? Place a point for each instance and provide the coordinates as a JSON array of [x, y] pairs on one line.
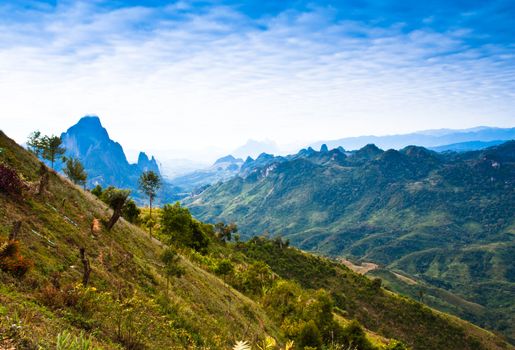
[[446, 220]]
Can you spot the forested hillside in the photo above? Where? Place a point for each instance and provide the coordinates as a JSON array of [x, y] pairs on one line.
[[445, 220]]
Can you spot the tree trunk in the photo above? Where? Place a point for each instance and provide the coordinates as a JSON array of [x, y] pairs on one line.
[[87, 268], [151, 222], [114, 219], [43, 179], [15, 230]]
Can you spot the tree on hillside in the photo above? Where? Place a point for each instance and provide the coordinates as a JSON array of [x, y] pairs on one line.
[[75, 171], [149, 183], [224, 268], [97, 191], [224, 232], [52, 148], [116, 199], [34, 143], [172, 269], [131, 212], [181, 229]]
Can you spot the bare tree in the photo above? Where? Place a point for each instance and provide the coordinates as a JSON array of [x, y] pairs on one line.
[[87, 267]]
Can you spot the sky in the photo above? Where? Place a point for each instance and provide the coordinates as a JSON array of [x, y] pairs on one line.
[[190, 79]]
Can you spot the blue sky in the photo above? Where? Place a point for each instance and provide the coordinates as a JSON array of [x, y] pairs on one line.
[[199, 78]]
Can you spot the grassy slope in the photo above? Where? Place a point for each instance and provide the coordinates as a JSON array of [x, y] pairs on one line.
[[203, 309]]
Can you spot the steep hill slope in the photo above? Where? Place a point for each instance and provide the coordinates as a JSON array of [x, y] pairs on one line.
[[447, 220], [127, 278]]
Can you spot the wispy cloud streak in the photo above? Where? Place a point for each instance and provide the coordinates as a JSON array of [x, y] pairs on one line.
[[215, 72]]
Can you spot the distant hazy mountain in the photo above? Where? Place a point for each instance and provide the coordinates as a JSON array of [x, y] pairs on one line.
[[254, 148], [174, 167], [104, 159], [445, 219], [466, 146], [427, 138], [222, 169]]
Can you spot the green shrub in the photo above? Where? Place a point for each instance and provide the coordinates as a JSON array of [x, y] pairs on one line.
[[309, 336]]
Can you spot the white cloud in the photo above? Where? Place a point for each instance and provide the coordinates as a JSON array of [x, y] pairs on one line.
[[163, 79]]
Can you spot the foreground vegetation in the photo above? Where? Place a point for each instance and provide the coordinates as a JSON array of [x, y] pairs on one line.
[[70, 279]]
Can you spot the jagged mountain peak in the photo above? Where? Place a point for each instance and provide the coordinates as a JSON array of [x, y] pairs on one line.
[[369, 151], [142, 157], [104, 159], [92, 120], [265, 156], [228, 159], [89, 125]]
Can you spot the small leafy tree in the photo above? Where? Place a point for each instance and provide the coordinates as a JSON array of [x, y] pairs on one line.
[[52, 148], [176, 222], [75, 171], [172, 268], [224, 232], [34, 143], [116, 199], [256, 278], [149, 183], [97, 191], [199, 239], [224, 268], [131, 211], [181, 229]]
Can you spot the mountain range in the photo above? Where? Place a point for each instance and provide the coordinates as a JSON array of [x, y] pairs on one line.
[[443, 220], [425, 138], [441, 140], [67, 282]]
